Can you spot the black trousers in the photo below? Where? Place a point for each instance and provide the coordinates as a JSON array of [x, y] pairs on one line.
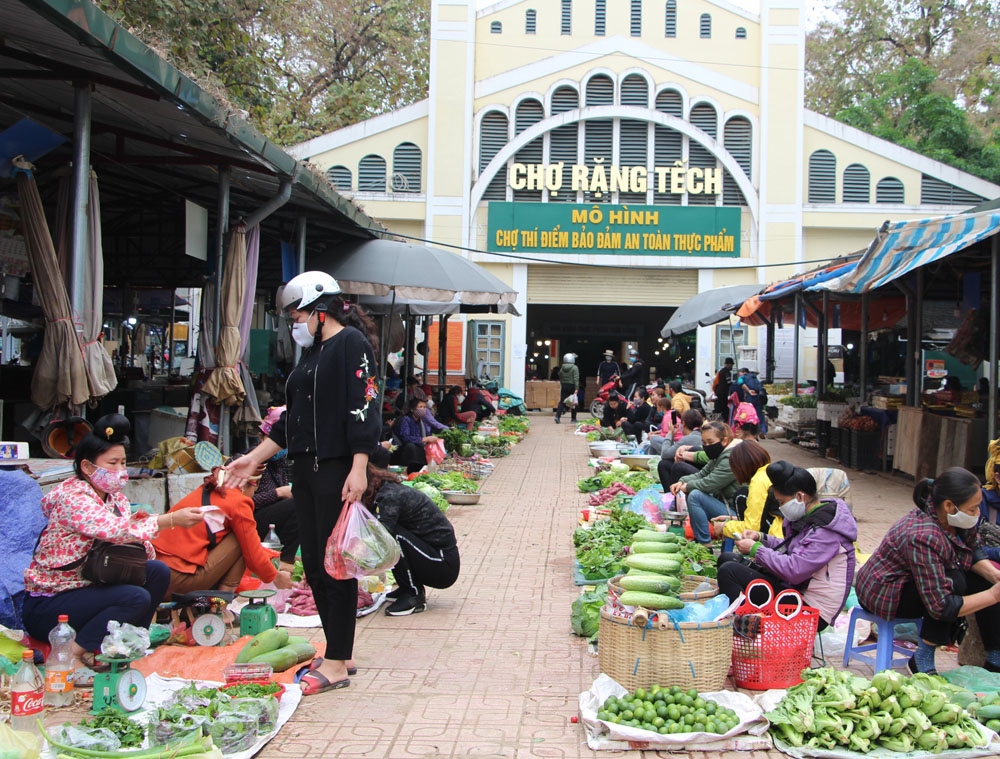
[[670, 471], [421, 564], [410, 455], [564, 392], [282, 515], [318, 505], [941, 632]]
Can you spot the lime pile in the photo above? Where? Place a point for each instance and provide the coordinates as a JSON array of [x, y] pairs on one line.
[[668, 711]]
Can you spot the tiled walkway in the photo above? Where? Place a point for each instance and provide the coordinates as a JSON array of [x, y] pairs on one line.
[[491, 669]]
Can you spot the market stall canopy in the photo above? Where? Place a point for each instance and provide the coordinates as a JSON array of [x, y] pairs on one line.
[[382, 304], [415, 272], [757, 309], [158, 139], [904, 246], [707, 308]]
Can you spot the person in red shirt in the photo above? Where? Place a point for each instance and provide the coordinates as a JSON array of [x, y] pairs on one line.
[[214, 555]]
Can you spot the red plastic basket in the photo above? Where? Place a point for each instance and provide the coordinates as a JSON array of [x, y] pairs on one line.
[[772, 650]]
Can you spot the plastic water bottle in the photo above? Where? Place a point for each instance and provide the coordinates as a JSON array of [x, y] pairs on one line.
[[59, 665], [273, 542], [27, 695]]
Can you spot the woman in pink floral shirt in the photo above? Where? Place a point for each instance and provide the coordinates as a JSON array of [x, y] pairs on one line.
[[80, 510]]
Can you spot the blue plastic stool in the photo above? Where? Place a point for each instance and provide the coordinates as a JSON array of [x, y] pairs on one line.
[[885, 649]]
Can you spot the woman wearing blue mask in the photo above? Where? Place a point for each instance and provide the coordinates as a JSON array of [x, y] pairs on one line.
[[816, 556], [930, 565]]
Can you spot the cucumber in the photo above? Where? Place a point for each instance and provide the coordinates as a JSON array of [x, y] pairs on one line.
[[265, 642], [651, 583], [643, 572], [653, 601], [654, 536], [654, 562], [651, 547], [279, 659]]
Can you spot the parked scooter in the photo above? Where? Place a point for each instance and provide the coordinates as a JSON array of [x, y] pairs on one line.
[[597, 405]]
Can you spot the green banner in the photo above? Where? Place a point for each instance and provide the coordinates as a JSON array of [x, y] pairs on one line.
[[602, 229]]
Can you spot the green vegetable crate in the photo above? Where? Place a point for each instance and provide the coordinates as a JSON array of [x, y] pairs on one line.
[[686, 654]]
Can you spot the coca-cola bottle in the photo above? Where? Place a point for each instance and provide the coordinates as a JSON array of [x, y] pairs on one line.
[[59, 665], [27, 695]]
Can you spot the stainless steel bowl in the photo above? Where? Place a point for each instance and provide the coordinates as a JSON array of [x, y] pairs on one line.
[[637, 461], [459, 498]]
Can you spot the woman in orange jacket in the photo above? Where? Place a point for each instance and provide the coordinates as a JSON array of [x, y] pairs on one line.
[[214, 554]]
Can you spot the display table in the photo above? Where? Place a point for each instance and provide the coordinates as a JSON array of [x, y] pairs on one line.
[[927, 444], [541, 394]]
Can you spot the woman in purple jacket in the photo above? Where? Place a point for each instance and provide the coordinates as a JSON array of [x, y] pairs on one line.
[[816, 556]]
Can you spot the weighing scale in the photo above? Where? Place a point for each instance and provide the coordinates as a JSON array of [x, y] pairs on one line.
[[258, 615], [208, 629], [121, 687]]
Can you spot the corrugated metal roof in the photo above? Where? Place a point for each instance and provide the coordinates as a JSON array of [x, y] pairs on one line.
[[158, 139]]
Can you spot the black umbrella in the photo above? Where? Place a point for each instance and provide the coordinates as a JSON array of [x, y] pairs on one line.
[[708, 308]]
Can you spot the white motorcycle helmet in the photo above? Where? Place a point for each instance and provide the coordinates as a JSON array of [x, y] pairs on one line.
[[569, 358], [305, 289]]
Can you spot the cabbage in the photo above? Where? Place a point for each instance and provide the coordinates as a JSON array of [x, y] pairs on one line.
[[586, 612], [620, 467]]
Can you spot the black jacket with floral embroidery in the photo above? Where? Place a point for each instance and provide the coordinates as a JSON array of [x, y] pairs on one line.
[[333, 408]]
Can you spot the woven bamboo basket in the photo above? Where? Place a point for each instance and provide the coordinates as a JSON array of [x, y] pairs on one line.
[[688, 654]]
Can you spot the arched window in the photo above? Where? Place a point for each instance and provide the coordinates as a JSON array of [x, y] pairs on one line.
[[635, 91], [738, 140], [889, 190], [496, 27], [600, 17], [706, 119], [371, 174], [635, 19], [492, 139], [741, 33], [564, 141], [600, 90], [705, 26], [670, 28], [529, 112], [857, 184], [668, 145], [566, 17], [341, 178], [406, 168], [822, 177], [529, 21]]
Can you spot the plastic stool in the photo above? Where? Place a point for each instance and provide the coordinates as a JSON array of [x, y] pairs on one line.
[[885, 649]]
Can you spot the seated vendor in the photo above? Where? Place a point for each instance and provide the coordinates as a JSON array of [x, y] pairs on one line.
[[272, 498], [929, 565], [816, 556], [412, 433], [82, 510], [989, 509], [213, 555], [614, 411], [450, 411]]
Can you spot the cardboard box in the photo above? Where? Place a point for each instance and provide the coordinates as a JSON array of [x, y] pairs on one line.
[[541, 394]]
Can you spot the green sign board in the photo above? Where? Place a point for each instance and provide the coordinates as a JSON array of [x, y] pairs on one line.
[[602, 229]]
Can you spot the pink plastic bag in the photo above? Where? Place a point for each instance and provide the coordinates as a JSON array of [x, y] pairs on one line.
[[359, 545], [434, 451]]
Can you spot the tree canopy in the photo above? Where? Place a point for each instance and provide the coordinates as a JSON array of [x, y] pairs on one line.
[[299, 68], [924, 75]]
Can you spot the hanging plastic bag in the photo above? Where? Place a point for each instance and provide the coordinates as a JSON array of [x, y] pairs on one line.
[[572, 400], [359, 545], [434, 451]]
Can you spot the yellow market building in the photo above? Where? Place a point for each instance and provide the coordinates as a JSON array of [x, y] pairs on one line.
[[612, 158]]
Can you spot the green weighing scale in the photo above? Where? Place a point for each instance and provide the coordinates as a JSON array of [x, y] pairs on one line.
[[121, 687], [258, 615]]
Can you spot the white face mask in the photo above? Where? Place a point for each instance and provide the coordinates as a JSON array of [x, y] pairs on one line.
[[301, 334], [461, 398], [793, 510], [963, 520]]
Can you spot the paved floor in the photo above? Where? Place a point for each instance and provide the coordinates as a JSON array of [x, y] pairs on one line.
[[491, 669]]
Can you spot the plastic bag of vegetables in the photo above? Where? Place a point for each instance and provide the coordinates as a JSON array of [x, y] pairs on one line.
[[586, 613], [264, 710], [233, 732], [359, 545]]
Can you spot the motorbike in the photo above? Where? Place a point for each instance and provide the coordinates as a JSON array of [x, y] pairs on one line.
[[597, 405]]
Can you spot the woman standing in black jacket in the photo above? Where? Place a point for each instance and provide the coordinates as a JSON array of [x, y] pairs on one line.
[[426, 537], [332, 421]]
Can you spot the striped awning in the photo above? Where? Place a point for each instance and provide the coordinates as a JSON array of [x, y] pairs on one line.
[[901, 247]]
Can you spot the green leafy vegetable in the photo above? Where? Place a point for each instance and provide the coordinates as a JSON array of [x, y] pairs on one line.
[[586, 612], [129, 732]]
